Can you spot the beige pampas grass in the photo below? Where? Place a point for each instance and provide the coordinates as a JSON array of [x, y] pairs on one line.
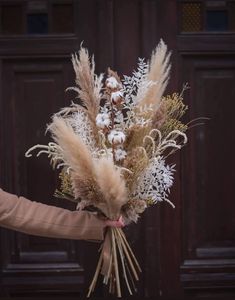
[[89, 85], [159, 116], [100, 179], [112, 186], [159, 73], [75, 153]]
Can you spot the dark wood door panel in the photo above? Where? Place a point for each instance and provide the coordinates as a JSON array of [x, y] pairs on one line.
[[32, 91], [208, 210]]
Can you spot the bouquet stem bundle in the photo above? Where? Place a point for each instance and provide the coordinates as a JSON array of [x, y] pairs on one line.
[[114, 249]]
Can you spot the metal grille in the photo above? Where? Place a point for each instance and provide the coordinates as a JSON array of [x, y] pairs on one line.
[[191, 17]]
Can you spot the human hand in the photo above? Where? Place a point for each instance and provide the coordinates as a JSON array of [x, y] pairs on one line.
[[118, 223]]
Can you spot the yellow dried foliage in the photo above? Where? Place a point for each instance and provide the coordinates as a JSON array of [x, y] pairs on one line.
[[66, 190], [172, 124], [66, 185], [174, 106], [136, 161], [174, 110]]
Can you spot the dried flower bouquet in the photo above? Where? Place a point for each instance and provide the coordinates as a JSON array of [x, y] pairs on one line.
[[111, 149]]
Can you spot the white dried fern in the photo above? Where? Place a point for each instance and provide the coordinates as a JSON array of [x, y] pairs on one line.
[[82, 126], [137, 84], [155, 182]]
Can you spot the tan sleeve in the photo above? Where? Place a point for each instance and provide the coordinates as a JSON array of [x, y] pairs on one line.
[[21, 214]]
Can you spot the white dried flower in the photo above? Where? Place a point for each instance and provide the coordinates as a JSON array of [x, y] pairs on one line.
[[82, 126], [119, 118], [103, 120], [120, 154], [133, 209], [116, 137], [155, 181], [138, 82], [117, 97], [112, 83], [108, 153]]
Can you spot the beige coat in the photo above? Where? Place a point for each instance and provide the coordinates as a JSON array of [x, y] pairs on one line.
[[21, 214]]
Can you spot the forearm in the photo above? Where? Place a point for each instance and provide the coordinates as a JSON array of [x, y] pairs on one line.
[[40, 219]]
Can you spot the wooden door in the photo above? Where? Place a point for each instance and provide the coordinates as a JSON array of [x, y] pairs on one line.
[[187, 251], [207, 61]]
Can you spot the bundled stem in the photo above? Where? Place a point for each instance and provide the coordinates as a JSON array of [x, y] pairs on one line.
[[119, 249]]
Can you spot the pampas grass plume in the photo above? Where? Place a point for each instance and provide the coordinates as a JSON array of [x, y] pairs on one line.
[[159, 74], [112, 186], [75, 153]]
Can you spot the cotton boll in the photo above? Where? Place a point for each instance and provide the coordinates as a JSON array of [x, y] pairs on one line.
[[103, 120], [116, 137], [112, 83], [119, 118], [117, 97], [120, 154]]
